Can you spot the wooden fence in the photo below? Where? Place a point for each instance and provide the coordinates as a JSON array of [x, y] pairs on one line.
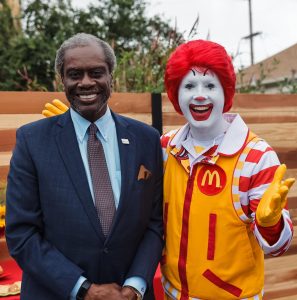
[[272, 117]]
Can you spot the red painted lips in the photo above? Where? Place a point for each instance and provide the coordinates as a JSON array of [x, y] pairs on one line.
[[201, 112]]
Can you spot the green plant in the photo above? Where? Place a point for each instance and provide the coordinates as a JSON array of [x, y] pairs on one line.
[[140, 42]]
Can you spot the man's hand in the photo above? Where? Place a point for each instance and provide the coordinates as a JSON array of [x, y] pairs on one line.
[[269, 210], [110, 291], [55, 108], [128, 293]]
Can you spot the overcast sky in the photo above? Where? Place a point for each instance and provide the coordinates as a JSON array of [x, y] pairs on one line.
[[227, 22]]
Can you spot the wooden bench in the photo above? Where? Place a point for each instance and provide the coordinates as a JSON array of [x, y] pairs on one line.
[[272, 117]]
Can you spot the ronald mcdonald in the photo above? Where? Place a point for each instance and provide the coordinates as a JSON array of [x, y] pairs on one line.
[[224, 193]]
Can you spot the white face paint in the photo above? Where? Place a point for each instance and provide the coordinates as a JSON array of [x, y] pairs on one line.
[[201, 99]]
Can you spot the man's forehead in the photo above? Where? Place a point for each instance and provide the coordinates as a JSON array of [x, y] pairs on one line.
[[89, 55], [88, 48]]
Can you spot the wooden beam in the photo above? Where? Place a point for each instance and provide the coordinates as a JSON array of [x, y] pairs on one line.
[[33, 102]]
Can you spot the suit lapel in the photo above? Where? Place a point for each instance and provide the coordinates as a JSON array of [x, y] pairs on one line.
[[70, 153], [127, 150]]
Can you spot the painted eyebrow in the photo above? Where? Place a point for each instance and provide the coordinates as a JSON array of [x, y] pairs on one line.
[[204, 73]]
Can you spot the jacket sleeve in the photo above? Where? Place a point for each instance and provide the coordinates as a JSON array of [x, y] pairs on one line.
[[24, 226]]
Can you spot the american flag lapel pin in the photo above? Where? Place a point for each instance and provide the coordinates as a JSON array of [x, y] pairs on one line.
[[125, 141]]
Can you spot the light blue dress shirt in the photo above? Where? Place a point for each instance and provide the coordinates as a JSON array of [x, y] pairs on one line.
[[108, 137]]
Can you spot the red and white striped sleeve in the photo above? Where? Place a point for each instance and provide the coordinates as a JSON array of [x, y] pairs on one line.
[[257, 173]]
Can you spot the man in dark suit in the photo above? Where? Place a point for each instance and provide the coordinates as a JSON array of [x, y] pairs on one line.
[[66, 245]]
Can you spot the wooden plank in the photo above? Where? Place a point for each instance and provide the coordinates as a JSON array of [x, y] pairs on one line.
[[5, 158], [7, 139], [282, 136], [173, 118], [252, 108], [242, 102], [257, 101], [277, 135], [287, 156], [33, 102], [283, 298], [280, 276], [13, 121], [3, 173]]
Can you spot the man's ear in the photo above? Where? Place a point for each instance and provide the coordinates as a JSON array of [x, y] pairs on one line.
[[111, 80]]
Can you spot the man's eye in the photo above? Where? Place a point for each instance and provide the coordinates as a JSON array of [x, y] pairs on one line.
[[97, 73], [74, 74], [210, 86], [189, 86]]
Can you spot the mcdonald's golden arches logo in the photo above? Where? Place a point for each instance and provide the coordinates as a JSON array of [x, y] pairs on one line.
[[211, 179]]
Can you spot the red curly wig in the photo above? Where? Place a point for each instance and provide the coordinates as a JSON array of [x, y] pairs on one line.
[[201, 54]]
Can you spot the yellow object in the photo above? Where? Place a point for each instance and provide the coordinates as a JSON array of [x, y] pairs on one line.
[[57, 107], [2, 216], [210, 252], [10, 289], [274, 199]]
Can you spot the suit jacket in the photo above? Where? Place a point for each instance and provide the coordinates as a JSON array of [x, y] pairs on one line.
[[52, 227]]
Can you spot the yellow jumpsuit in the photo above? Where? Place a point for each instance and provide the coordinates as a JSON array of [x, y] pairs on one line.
[[210, 252]]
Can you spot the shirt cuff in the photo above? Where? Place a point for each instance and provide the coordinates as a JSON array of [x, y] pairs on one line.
[[78, 284], [138, 283], [272, 233], [284, 240]]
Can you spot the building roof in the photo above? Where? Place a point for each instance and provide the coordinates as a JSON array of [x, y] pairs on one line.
[[273, 69]]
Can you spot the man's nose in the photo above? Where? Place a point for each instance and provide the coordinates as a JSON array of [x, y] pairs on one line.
[[200, 98], [87, 80]]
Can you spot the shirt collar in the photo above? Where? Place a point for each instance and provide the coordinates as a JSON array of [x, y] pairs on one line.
[[232, 142], [81, 125], [235, 136]]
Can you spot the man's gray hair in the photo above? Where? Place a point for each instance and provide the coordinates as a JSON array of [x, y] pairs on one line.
[[82, 40]]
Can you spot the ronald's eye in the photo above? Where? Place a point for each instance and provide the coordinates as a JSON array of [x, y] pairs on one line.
[[210, 86], [188, 86]]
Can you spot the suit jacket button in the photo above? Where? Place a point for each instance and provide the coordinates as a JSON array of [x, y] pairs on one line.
[[105, 250]]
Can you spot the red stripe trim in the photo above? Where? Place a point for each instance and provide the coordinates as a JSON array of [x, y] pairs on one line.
[[222, 284], [183, 252], [211, 236], [271, 233], [246, 209], [290, 224], [254, 204], [164, 141], [255, 155], [211, 151], [282, 249], [263, 177]]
